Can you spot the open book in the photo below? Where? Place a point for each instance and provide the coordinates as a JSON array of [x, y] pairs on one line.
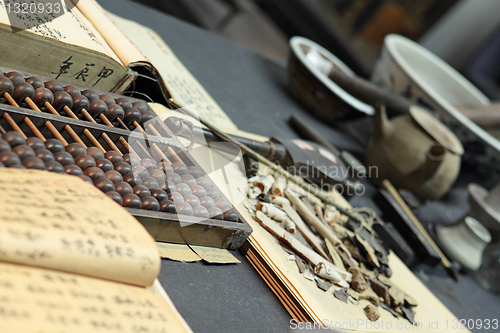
[[83, 46], [72, 260]]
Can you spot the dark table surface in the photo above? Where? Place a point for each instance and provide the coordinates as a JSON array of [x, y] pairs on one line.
[[251, 89]]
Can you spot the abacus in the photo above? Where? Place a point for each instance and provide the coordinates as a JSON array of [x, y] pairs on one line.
[[49, 125]]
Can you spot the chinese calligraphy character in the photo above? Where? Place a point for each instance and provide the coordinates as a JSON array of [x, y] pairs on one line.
[[63, 69], [105, 72], [82, 75]]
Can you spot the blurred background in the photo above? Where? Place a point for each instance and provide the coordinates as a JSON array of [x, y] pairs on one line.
[[464, 33]]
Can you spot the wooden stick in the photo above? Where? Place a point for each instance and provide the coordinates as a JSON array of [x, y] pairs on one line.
[[386, 184], [28, 121], [48, 124], [68, 129]]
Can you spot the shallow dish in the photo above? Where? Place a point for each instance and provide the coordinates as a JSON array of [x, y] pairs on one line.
[[308, 68], [409, 69]]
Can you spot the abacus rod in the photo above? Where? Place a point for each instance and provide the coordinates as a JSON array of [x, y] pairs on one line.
[[68, 129], [48, 124], [2, 130], [28, 121], [169, 149], [105, 136]]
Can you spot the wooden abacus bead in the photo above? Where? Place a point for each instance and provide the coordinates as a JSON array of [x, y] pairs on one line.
[[199, 191], [124, 102], [177, 198], [131, 159], [45, 155], [215, 213], [141, 191], [132, 201], [61, 100], [132, 179], [184, 209], [168, 187], [36, 82], [179, 168], [114, 176], [54, 166], [205, 182], [141, 105], [43, 95], [64, 158], [149, 164], [115, 197], [54, 145], [54, 86], [114, 112], [207, 202], [141, 171], [200, 211], [188, 180], [146, 116], [15, 77], [6, 86], [90, 94], [4, 146], [165, 167], [80, 102], [95, 153], [213, 193], [86, 179], [150, 203], [9, 159], [108, 99], [131, 115], [33, 163], [96, 108], [94, 173], [35, 143], [183, 189], [174, 178], [195, 171], [168, 206], [113, 156], [72, 169], [123, 168], [123, 188], [76, 149], [72, 90], [104, 165], [231, 216], [105, 185], [159, 194], [158, 175], [23, 90], [223, 204], [150, 183], [13, 139], [23, 151], [192, 200], [85, 162]]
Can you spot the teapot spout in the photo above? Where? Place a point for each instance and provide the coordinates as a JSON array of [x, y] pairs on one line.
[[383, 126], [434, 157]]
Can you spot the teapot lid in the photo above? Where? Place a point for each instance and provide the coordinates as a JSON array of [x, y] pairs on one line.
[[437, 130]]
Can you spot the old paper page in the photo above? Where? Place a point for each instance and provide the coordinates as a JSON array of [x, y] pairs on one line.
[[137, 44], [177, 252], [41, 300], [214, 255], [60, 222]]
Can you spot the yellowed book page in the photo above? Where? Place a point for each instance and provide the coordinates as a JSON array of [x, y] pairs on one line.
[[41, 40], [40, 300], [137, 44], [60, 222], [324, 307]]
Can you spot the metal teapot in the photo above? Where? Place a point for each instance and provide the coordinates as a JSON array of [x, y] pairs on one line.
[[414, 151]]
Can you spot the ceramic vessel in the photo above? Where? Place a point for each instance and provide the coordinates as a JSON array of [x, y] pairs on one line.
[[464, 241], [414, 72], [308, 68], [414, 151]]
